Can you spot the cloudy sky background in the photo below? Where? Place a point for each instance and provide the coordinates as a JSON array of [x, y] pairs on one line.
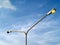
[[21, 14]]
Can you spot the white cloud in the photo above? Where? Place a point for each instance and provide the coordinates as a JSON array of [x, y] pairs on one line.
[[3, 43], [48, 38], [7, 4]]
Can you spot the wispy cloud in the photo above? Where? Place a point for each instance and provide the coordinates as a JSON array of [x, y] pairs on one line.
[[7, 4], [49, 38]]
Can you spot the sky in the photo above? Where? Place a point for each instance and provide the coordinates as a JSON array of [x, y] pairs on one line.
[[22, 14]]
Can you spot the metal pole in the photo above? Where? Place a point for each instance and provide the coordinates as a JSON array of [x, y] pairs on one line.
[[37, 22], [25, 38]]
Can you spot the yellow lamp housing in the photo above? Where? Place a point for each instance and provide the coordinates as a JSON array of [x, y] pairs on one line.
[[51, 11]]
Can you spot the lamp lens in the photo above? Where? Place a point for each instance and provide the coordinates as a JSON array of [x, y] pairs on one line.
[[53, 11]]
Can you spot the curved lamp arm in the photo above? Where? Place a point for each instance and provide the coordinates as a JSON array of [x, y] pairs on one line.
[[52, 11]]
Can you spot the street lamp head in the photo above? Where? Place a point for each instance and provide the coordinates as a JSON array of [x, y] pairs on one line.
[[9, 31], [51, 11]]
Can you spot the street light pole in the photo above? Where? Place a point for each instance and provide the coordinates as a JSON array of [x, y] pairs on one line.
[[25, 38], [26, 33]]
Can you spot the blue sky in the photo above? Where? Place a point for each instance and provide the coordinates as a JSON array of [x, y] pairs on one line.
[[21, 14]]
